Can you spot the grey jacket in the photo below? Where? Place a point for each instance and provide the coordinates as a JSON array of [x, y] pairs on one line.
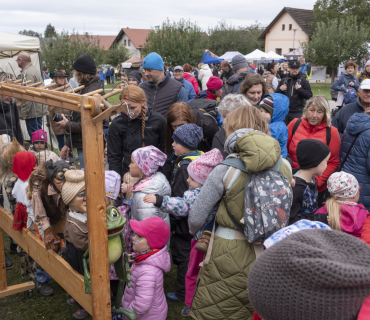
[[31, 109]]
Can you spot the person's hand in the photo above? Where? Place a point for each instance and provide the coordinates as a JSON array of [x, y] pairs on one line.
[[22, 118], [150, 198], [292, 184], [351, 84], [367, 111], [64, 152], [283, 87], [62, 124], [347, 90], [49, 239], [297, 86]]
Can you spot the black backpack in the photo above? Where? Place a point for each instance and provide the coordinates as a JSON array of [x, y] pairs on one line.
[[205, 106], [328, 131]]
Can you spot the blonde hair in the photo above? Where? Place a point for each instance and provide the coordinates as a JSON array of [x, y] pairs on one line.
[[334, 213], [322, 104], [246, 117], [200, 65], [131, 181]]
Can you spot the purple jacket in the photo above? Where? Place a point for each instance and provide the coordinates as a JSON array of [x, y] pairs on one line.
[[146, 294]]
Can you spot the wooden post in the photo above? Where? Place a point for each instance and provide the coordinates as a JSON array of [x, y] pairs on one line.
[[2, 263], [93, 152]]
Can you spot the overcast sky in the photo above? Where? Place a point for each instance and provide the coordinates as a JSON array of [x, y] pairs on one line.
[[105, 17]]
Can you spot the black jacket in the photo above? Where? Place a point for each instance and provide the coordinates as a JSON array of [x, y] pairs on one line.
[[9, 121], [125, 136], [233, 83], [297, 98], [219, 141], [74, 125], [226, 75]]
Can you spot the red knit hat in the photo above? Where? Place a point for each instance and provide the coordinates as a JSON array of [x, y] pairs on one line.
[[214, 83], [154, 229], [23, 164]]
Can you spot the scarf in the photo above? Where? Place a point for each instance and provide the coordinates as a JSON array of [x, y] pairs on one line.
[[140, 256], [20, 217]]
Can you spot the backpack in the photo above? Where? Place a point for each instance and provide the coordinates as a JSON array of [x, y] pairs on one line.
[[205, 106], [328, 131], [268, 198], [350, 96]]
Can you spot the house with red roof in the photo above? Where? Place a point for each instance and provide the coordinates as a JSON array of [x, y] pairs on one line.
[[132, 39]]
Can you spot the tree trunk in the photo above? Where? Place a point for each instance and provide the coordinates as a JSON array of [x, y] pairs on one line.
[[333, 74]]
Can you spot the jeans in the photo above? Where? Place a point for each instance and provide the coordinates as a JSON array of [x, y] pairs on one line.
[[81, 158], [108, 80], [61, 139], [33, 125], [112, 79], [42, 276], [102, 84]]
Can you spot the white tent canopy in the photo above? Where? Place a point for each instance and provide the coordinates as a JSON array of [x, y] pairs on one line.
[[273, 56], [11, 44], [255, 55], [228, 56]]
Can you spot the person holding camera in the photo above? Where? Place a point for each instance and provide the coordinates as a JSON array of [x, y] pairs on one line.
[[297, 89]]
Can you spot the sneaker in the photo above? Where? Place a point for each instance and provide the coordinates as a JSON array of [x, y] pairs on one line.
[[71, 302], [13, 247], [8, 263], [172, 296], [45, 289], [80, 314], [203, 242], [186, 311]]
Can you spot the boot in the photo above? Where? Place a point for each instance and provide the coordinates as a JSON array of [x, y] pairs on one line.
[[203, 242], [13, 247], [8, 263]]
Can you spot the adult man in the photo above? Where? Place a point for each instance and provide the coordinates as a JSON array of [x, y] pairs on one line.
[[108, 74], [361, 105], [161, 91], [240, 67], [32, 112], [305, 67], [178, 74], [227, 71], [297, 89]]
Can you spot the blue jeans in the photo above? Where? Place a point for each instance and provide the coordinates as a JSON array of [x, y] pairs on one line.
[[61, 139], [81, 158], [112, 79], [102, 84], [33, 125], [42, 276]]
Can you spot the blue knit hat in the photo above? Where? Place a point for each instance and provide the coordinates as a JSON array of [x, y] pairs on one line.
[[153, 61], [188, 135]]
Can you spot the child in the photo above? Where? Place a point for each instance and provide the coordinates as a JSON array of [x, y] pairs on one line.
[[344, 213], [151, 258], [274, 108], [312, 156], [198, 170], [39, 147]]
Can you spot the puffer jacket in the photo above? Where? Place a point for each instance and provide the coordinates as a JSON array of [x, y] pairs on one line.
[[233, 83], [193, 81], [344, 79], [358, 162], [277, 126], [221, 291], [204, 74], [146, 295], [307, 131]]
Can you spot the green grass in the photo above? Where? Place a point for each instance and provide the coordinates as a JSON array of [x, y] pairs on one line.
[[321, 88]]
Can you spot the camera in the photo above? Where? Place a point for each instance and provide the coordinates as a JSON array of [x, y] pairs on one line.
[[58, 117]]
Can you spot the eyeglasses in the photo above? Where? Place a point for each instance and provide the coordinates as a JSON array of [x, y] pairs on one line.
[[19, 60]]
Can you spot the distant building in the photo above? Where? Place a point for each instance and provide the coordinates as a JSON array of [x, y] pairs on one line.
[[132, 39], [279, 33], [104, 41]]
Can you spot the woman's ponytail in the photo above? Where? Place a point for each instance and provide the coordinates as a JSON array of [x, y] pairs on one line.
[[334, 213]]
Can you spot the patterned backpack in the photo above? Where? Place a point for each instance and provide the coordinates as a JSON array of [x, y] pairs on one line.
[[268, 198]]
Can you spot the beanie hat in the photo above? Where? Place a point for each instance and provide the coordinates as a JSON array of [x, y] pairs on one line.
[[311, 152], [39, 135], [85, 64], [367, 63], [239, 62], [23, 164], [154, 229], [343, 185], [201, 167], [112, 184], [267, 104], [323, 275], [75, 183], [188, 135], [149, 159], [214, 83], [136, 75], [53, 168], [153, 61]]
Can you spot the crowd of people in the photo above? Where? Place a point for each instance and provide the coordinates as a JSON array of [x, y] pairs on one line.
[[259, 197]]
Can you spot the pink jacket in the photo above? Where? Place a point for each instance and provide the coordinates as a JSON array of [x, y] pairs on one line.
[[146, 294], [352, 218]]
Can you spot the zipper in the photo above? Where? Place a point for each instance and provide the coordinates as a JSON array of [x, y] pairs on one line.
[[155, 95]]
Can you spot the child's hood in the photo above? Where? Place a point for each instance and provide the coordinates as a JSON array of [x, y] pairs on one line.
[[158, 185], [160, 260], [281, 107], [352, 218]]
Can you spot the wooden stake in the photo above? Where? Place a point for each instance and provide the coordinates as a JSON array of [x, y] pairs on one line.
[[35, 84], [76, 89], [2, 263], [62, 87], [93, 92], [26, 82], [112, 93], [53, 84], [57, 98]]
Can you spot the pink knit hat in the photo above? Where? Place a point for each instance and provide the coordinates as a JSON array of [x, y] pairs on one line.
[[40, 135], [149, 159], [201, 167]]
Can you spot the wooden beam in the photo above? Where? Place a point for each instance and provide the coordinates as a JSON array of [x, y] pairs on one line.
[[93, 92], [52, 263], [62, 87], [17, 289], [3, 284], [112, 93], [113, 110], [36, 84], [76, 89]]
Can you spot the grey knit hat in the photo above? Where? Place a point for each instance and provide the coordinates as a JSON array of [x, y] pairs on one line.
[[311, 274], [188, 135], [239, 62]]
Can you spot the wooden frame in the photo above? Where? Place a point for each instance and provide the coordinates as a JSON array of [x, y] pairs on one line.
[[98, 304]]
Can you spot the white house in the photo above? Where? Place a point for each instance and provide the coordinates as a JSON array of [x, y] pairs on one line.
[[132, 39]]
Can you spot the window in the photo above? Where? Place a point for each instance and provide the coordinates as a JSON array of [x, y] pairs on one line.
[[283, 27], [290, 27], [278, 51], [291, 49], [129, 43], [124, 42]]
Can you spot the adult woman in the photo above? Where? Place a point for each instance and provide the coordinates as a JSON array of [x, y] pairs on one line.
[[134, 78], [134, 128], [188, 77], [270, 76], [315, 124], [254, 88], [284, 71], [365, 74], [230, 103], [222, 283], [204, 74]]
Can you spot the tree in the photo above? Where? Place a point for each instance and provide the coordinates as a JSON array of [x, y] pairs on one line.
[[30, 33], [50, 31], [226, 37], [177, 42], [117, 55], [335, 41]]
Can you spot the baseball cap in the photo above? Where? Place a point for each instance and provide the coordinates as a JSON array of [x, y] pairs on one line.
[[294, 64], [365, 84], [178, 68]]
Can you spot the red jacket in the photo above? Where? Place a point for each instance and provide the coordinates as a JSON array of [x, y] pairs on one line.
[[193, 81], [365, 235], [307, 131]]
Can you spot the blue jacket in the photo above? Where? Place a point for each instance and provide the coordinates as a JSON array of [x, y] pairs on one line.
[[251, 70], [358, 162], [189, 89], [108, 73], [278, 128], [345, 79], [101, 75]]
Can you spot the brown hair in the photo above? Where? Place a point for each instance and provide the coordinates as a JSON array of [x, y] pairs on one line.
[[136, 95], [131, 182], [250, 81], [83, 78], [187, 67], [246, 117], [178, 111], [350, 64]]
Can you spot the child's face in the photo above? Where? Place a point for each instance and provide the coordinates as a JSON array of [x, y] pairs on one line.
[[266, 115], [322, 166], [125, 186], [179, 149], [193, 184], [350, 70], [134, 169], [139, 243], [39, 146]]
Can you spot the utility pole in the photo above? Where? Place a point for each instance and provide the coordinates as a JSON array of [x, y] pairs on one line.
[[294, 31]]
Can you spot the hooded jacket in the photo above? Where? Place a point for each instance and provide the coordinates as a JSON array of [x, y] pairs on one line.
[[146, 295], [342, 83], [9, 121], [233, 83], [189, 89], [204, 74], [226, 75], [193, 81], [278, 129], [358, 162]]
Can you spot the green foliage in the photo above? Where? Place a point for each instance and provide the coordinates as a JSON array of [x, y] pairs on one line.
[[226, 37], [63, 49], [30, 33], [117, 55], [50, 31], [176, 42]]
